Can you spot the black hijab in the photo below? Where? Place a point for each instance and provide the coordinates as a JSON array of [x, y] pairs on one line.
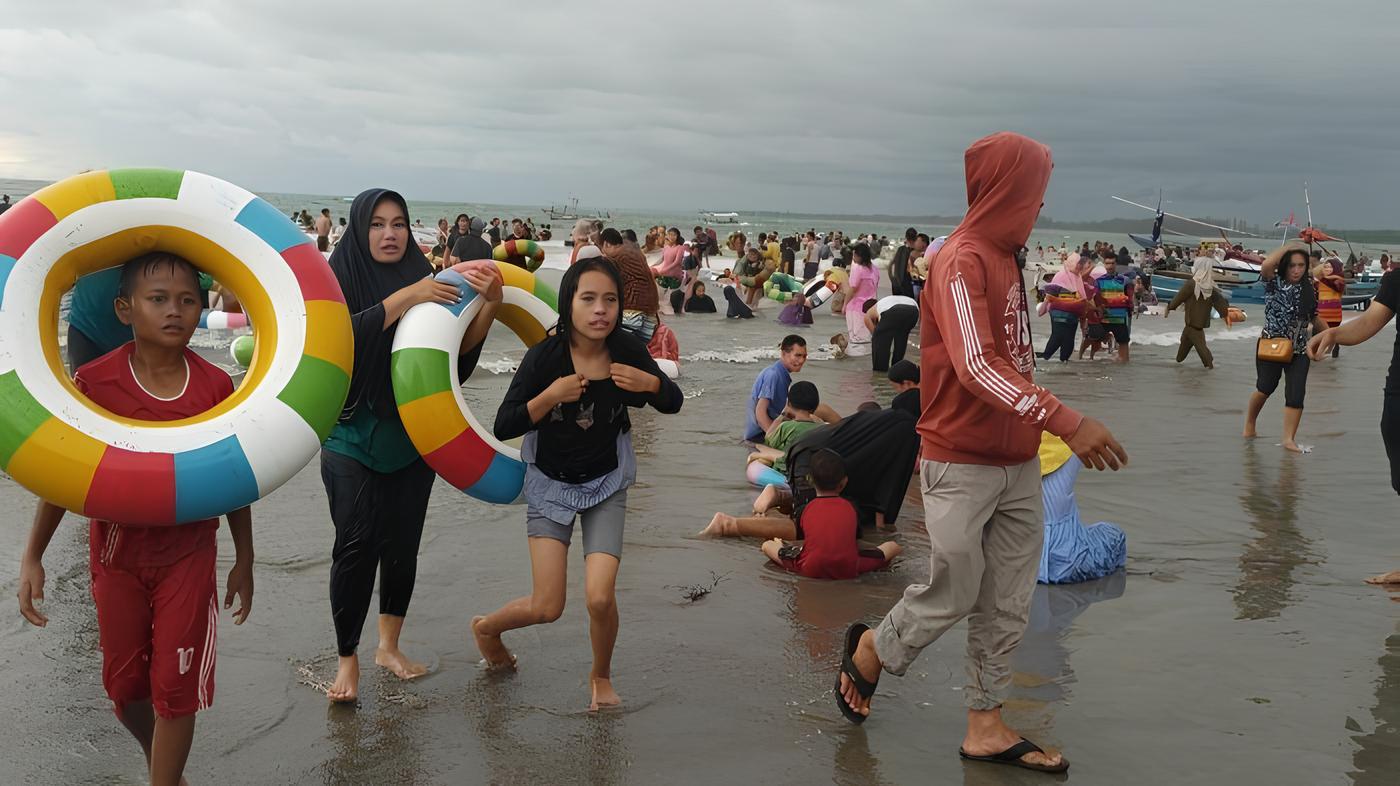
[[737, 308], [365, 283]]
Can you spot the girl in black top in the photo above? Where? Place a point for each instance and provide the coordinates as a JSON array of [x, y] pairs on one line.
[[569, 399]]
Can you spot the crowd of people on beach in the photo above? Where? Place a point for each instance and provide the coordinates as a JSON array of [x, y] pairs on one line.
[[996, 455]]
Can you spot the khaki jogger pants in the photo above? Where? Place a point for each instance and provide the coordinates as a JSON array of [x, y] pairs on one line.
[[985, 530], [1194, 337]]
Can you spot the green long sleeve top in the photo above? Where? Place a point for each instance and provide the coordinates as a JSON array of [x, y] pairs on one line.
[[1198, 309]]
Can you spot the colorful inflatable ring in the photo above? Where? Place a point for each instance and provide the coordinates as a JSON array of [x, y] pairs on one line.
[[819, 290], [669, 367], [67, 450], [782, 287], [760, 474], [222, 320], [424, 371], [513, 249], [241, 351]]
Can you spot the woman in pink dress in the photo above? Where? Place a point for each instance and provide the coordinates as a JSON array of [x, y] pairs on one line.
[[863, 284], [668, 270]]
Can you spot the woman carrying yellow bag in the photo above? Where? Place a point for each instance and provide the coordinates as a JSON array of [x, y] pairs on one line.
[[1290, 309]]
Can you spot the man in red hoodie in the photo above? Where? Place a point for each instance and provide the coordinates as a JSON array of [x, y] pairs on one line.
[[980, 475]]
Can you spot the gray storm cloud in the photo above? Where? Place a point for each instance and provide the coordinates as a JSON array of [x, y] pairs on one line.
[[799, 106]]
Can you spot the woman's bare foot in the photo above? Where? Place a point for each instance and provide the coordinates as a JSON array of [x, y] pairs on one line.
[[767, 500], [1249, 432], [603, 694], [493, 650], [346, 688], [1391, 578], [394, 660], [722, 524]]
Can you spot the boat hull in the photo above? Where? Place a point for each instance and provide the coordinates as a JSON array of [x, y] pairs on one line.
[[1358, 294]]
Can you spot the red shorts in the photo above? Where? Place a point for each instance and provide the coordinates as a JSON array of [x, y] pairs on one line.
[[867, 560], [156, 627]]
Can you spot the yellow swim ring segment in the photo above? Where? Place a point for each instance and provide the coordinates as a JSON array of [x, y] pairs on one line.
[[67, 450], [424, 371], [529, 253]]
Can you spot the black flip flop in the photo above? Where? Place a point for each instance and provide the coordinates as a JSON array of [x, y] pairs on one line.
[[848, 668], [1012, 756]]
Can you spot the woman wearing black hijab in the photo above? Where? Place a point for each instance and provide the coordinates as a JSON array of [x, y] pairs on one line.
[[376, 482]]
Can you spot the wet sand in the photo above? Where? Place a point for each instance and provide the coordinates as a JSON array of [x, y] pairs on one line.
[[1239, 647]]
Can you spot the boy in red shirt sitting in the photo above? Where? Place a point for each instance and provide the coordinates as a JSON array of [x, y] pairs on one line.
[[154, 586], [828, 529]]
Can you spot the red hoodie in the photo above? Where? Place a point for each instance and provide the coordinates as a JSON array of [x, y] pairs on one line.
[[979, 403]]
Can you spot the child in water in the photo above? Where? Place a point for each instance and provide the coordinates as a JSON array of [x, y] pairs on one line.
[[797, 418], [569, 399], [154, 586], [828, 531]]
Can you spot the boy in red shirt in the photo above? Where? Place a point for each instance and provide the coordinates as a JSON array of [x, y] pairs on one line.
[[828, 530], [154, 587]]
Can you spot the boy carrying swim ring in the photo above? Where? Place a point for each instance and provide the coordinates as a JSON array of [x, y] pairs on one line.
[[154, 586]]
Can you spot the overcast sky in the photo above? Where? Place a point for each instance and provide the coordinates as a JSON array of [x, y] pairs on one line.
[[797, 105]]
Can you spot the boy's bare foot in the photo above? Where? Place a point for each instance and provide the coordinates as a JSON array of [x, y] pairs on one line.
[[767, 500], [1392, 577], [1296, 448], [603, 694], [346, 688], [493, 650], [722, 524], [394, 660]]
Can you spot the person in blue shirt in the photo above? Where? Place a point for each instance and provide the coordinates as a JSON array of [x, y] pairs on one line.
[[769, 395]]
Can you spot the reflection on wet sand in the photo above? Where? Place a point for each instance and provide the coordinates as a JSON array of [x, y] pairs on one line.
[[1268, 562], [1377, 756], [522, 743], [821, 610], [1041, 674], [377, 742]]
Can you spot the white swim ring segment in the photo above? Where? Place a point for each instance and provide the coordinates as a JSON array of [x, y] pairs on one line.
[[67, 450], [424, 370]]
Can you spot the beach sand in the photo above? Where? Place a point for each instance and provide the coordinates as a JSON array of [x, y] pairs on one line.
[[1239, 647]]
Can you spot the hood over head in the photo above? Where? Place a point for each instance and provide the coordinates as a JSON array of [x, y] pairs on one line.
[[1007, 175]]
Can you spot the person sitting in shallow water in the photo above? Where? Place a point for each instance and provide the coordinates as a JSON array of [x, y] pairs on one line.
[[828, 531], [737, 309], [798, 417], [879, 446], [796, 312], [692, 299], [1071, 551]]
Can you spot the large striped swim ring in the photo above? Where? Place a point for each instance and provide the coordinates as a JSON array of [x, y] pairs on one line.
[[67, 450], [424, 370], [782, 287], [527, 251]]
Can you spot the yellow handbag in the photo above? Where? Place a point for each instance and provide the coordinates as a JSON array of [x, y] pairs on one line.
[[1275, 350]]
